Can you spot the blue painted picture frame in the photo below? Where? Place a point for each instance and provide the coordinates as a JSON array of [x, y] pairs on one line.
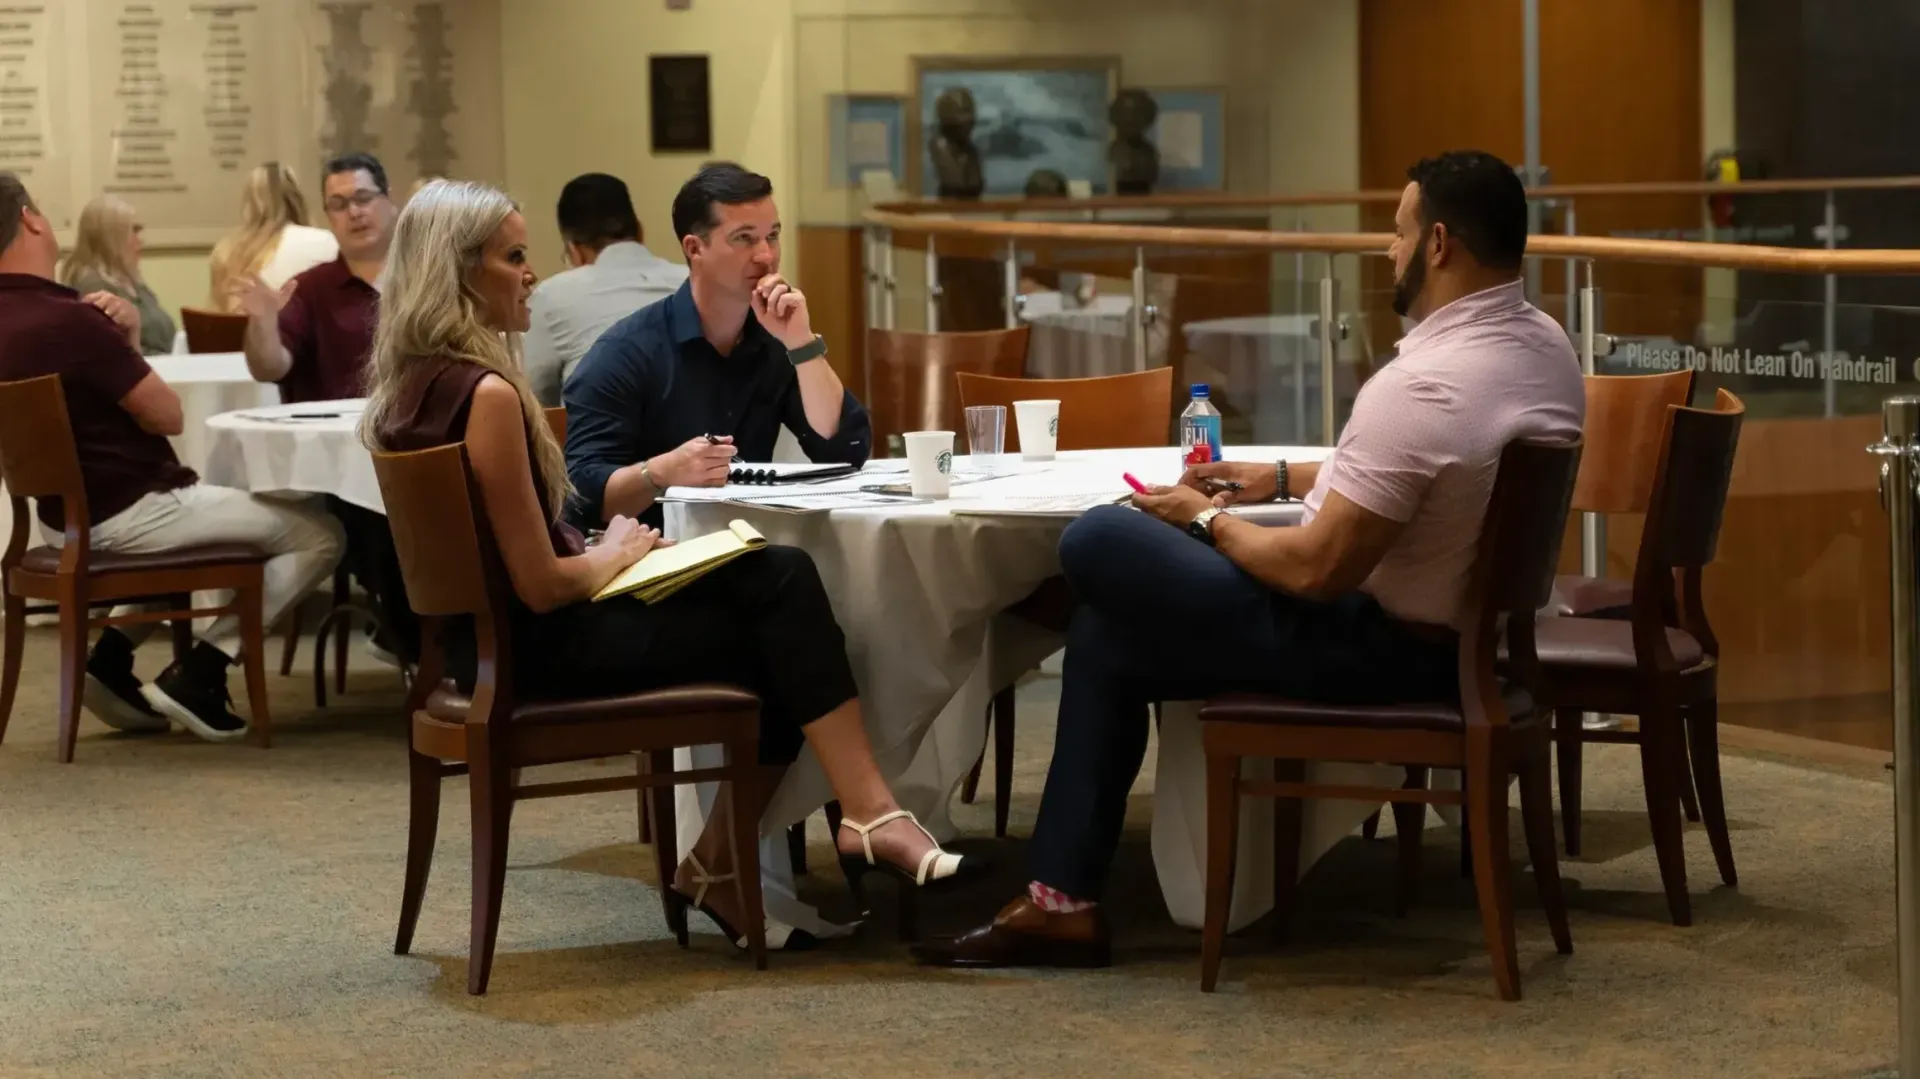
[[1030, 113], [1201, 118], [865, 132]]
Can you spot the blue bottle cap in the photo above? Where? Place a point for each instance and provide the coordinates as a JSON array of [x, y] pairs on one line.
[[1200, 389]]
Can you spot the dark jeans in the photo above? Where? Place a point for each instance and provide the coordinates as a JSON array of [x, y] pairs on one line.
[[761, 622], [372, 559], [1164, 617]]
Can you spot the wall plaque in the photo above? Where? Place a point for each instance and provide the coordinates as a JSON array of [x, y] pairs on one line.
[[682, 111]]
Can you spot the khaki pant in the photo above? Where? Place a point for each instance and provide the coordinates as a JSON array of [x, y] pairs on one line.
[[304, 543]]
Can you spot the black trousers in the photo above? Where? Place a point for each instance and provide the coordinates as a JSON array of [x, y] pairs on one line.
[[1164, 617], [761, 622]]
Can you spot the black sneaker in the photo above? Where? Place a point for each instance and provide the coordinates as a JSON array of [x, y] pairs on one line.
[[193, 693], [112, 693]]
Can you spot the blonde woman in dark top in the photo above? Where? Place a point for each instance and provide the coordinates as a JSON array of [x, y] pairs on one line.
[[446, 368], [106, 258]]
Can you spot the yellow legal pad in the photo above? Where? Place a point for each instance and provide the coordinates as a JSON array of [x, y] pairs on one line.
[[667, 570]]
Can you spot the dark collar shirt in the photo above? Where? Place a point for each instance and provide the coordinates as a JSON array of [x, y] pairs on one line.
[[652, 382], [327, 327], [45, 329]]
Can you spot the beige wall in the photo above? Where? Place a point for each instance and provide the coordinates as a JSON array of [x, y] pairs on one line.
[[576, 100]]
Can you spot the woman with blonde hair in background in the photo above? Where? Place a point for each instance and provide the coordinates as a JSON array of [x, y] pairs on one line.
[[273, 241], [446, 368], [106, 258]]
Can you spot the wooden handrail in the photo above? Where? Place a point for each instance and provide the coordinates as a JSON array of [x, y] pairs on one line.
[[1599, 248], [1217, 201]]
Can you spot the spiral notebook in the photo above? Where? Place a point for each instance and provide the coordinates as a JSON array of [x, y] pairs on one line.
[[803, 472], [666, 570]]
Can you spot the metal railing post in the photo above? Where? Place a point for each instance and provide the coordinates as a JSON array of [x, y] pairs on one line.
[[1574, 319], [871, 267], [1828, 311], [1593, 526], [1011, 270], [1142, 316], [1899, 451], [933, 286], [1329, 312]]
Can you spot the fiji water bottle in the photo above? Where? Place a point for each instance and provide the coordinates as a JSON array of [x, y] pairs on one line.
[[1200, 428]]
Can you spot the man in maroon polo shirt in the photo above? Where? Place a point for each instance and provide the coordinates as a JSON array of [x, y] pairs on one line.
[[313, 337], [140, 499]]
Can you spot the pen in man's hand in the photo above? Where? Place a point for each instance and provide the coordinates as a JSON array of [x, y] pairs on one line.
[[1226, 485], [711, 440]]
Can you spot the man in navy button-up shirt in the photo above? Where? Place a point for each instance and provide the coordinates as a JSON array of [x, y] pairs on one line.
[[732, 354]]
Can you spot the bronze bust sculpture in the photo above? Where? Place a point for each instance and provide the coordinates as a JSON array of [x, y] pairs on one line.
[[956, 160], [1135, 161]]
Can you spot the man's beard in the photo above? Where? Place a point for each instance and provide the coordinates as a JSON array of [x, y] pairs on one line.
[[1407, 288]]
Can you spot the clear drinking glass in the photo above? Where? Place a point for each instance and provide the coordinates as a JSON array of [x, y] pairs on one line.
[[986, 430]]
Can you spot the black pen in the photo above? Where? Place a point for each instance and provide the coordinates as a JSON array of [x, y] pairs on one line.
[[1226, 485], [711, 440]]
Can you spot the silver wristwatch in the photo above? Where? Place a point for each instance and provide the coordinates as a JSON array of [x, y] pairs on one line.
[[1201, 527]]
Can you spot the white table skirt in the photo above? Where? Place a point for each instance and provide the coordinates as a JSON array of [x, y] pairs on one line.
[[919, 593], [209, 384], [284, 456]]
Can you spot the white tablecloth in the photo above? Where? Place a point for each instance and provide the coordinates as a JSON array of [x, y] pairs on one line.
[[919, 592], [209, 384], [269, 451]]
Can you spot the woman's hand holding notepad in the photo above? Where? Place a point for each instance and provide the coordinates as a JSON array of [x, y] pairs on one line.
[[667, 570]]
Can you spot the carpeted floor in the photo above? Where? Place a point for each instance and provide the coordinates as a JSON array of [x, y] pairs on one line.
[[170, 908]]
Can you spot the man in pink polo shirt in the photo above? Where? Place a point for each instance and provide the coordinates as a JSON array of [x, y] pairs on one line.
[[1358, 605]]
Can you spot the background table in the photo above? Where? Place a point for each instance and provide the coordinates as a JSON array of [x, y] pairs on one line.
[[209, 384], [919, 592], [265, 451]]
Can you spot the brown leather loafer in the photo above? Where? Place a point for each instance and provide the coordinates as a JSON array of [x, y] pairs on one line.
[[1023, 935]]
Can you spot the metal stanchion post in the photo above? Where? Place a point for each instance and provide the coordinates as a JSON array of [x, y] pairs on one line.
[[1012, 269], [1899, 450], [933, 286], [1142, 316], [1329, 308], [1829, 308], [1593, 526], [887, 283]]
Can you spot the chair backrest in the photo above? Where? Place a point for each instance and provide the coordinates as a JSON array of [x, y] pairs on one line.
[[557, 421], [37, 455], [911, 375], [1689, 495], [213, 331], [447, 559], [1109, 412], [1513, 572], [1626, 417]]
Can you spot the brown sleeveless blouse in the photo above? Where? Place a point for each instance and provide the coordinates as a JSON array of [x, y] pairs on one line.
[[432, 410]]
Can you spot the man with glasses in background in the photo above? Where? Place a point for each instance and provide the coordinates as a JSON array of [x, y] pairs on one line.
[[312, 337]]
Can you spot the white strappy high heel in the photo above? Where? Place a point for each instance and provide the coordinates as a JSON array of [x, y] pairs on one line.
[[781, 937], [936, 866]]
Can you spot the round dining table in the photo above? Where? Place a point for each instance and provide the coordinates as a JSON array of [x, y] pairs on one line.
[[921, 590]]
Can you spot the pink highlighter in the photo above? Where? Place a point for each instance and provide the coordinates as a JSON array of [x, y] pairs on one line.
[[1135, 484]]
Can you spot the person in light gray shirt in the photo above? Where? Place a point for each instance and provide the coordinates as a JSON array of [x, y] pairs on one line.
[[612, 276]]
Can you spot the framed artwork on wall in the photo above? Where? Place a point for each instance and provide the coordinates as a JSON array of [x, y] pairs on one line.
[[1030, 114], [1190, 133], [866, 133], [682, 106]]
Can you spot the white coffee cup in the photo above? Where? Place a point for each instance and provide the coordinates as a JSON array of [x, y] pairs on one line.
[[929, 463], [1039, 425]]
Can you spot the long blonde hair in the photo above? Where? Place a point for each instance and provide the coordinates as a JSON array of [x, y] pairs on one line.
[[100, 245], [270, 202], [429, 312]]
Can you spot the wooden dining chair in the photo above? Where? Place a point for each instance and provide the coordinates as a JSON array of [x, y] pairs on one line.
[[38, 459], [453, 572], [1625, 430], [911, 376], [213, 331], [1660, 663], [1107, 412], [1497, 730]]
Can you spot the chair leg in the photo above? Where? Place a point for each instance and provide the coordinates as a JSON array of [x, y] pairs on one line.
[[1567, 743], [16, 630], [73, 670], [1223, 843], [1003, 703], [320, 635], [1289, 824], [970, 787], [1536, 815], [645, 805], [253, 640], [666, 840], [1409, 827], [1486, 809], [1660, 742], [1703, 734], [342, 595], [291, 642], [423, 824], [182, 628], [744, 840], [797, 847], [492, 809]]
